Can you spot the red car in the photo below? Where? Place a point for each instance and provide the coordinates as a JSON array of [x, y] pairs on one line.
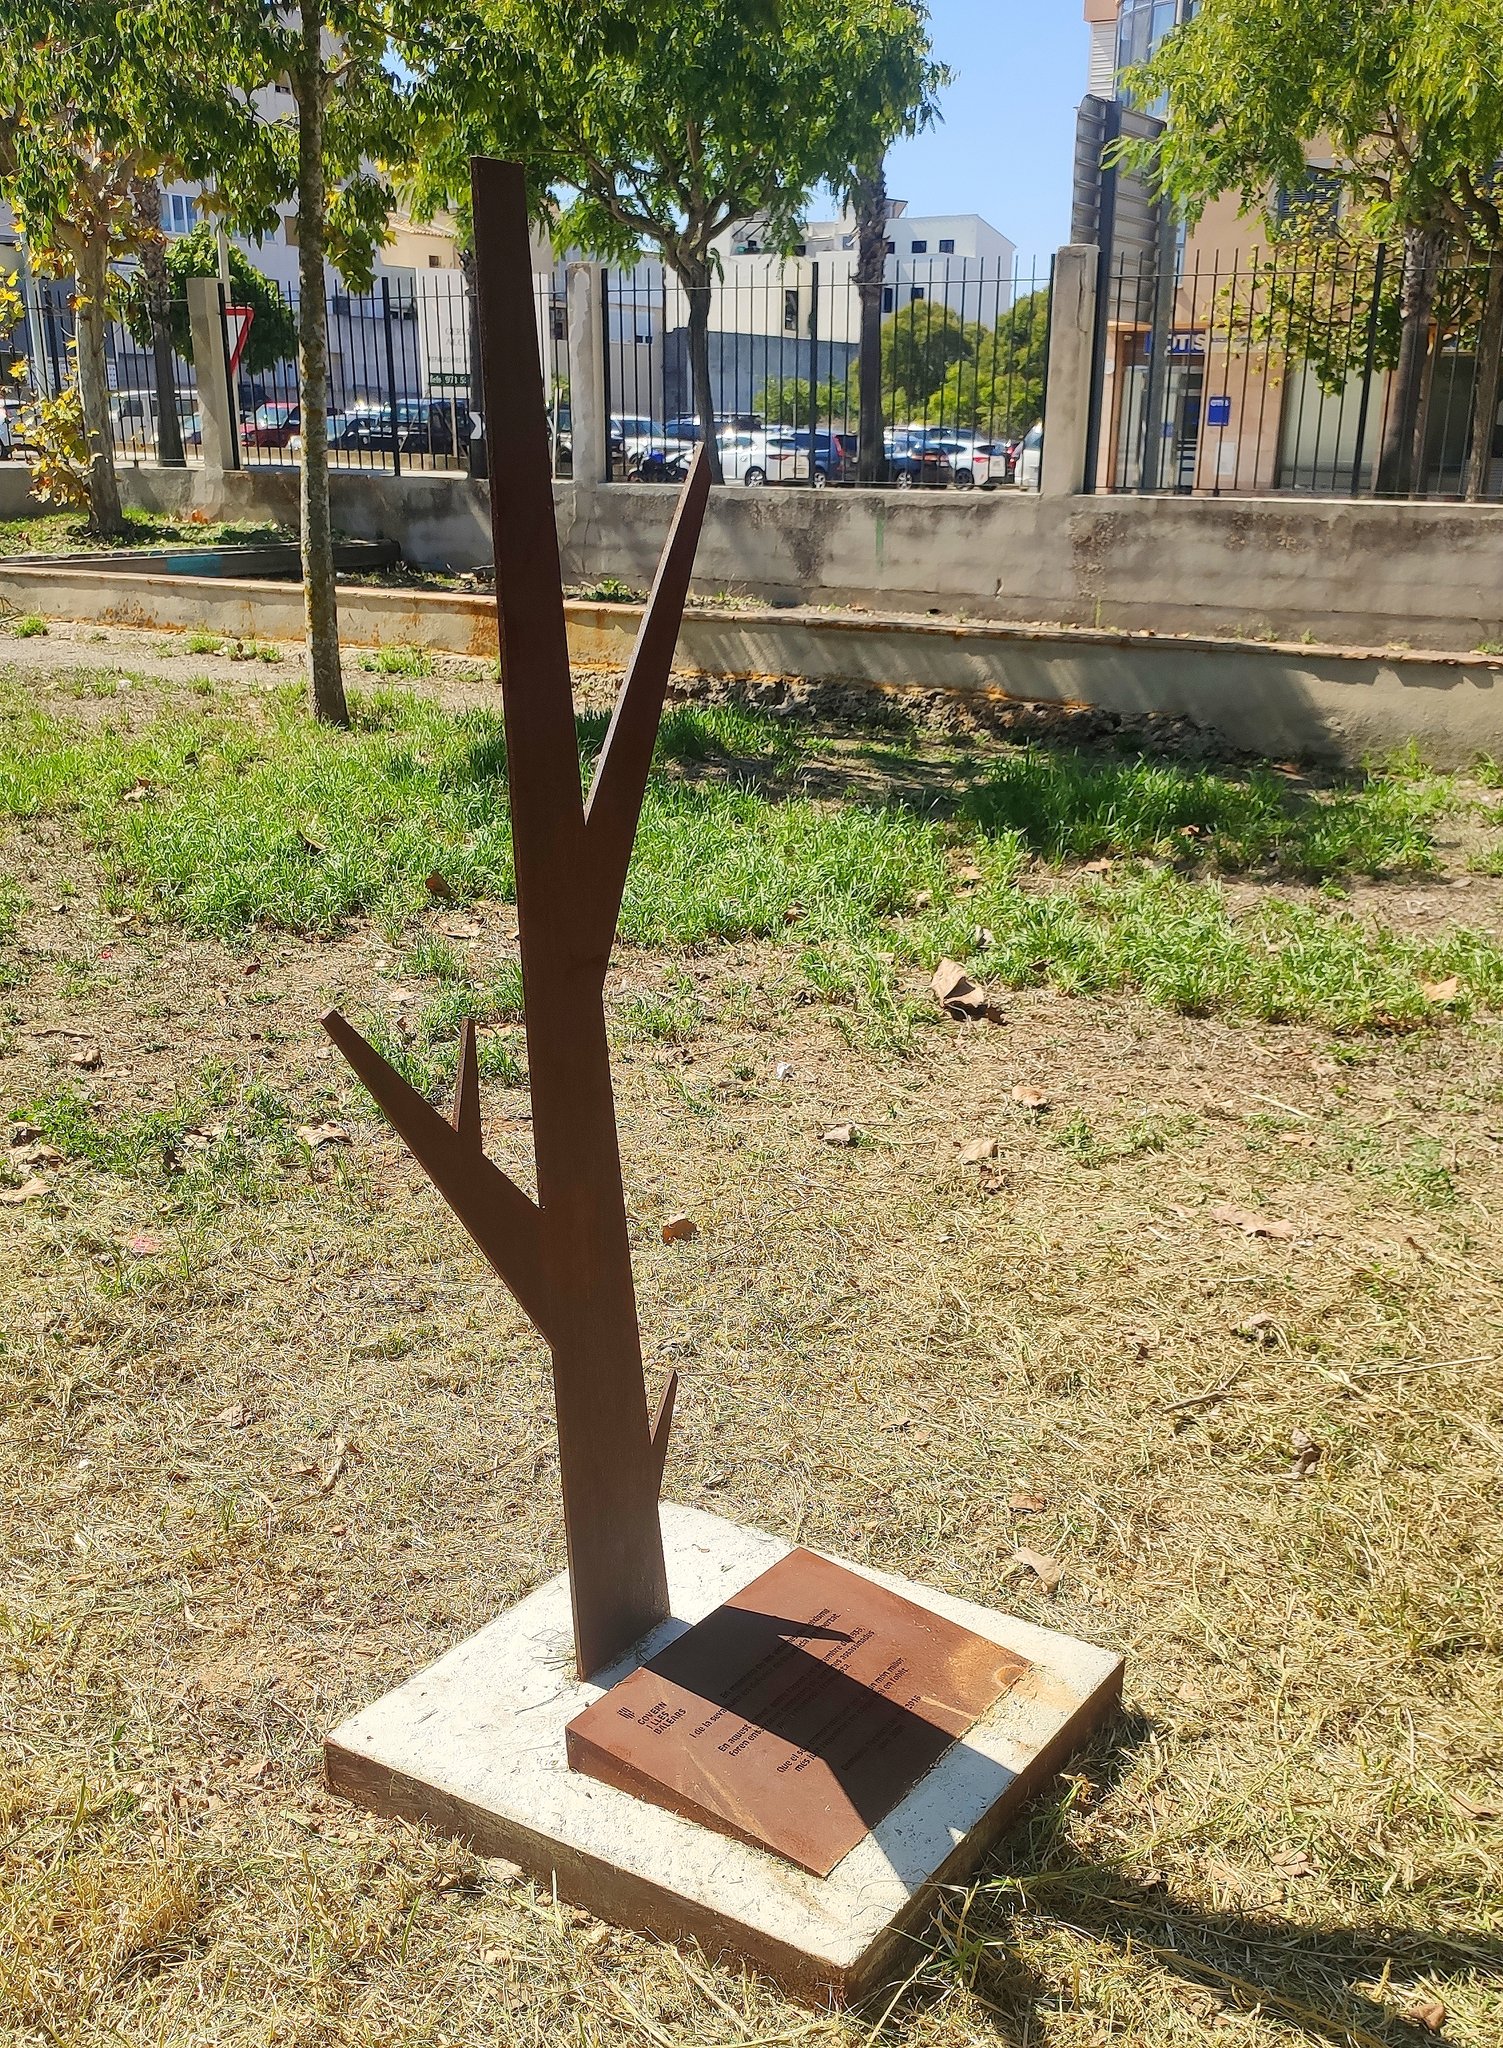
[[272, 425]]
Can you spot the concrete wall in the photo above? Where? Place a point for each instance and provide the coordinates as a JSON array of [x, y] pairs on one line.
[[16, 501], [1281, 700], [1351, 573]]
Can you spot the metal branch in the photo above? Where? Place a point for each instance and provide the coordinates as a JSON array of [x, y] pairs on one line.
[[621, 772], [501, 1219]]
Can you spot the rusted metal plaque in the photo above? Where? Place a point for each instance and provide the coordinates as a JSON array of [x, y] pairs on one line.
[[796, 1716]]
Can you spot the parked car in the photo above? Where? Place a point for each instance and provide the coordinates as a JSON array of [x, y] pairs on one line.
[[914, 462], [685, 426], [417, 426], [1030, 462], [832, 464], [272, 425], [769, 457], [975, 462]]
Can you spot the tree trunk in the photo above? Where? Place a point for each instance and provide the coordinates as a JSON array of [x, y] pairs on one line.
[[694, 275], [1479, 461], [91, 280], [1396, 457], [319, 605], [147, 193], [477, 455], [871, 269]]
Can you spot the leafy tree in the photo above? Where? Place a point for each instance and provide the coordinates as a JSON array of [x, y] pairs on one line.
[[273, 333], [999, 388], [920, 343], [1409, 97], [666, 121], [75, 138], [295, 107]]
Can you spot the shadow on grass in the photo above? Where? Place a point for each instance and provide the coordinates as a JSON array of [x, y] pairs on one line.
[[1304, 1974]]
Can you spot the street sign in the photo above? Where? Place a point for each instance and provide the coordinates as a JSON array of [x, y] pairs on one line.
[[449, 380], [1218, 412]]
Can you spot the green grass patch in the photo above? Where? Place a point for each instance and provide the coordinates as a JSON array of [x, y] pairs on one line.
[[397, 660], [61, 533], [219, 1143], [265, 817], [1074, 807], [27, 626]]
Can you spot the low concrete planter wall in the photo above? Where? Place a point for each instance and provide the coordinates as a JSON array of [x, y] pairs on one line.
[[16, 500], [1277, 699], [1350, 573]]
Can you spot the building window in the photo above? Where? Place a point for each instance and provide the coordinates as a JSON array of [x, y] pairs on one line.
[[887, 298], [947, 245], [435, 263], [790, 312], [918, 248], [289, 230], [891, 248], [916, 292], [1316, 199], [179, 213], [558, 320]]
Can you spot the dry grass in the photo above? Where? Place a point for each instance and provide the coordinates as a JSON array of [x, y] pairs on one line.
[[1291, 1834]]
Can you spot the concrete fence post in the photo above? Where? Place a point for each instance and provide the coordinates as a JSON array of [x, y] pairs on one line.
[[206, 328], [589, 429], [1067, 404]]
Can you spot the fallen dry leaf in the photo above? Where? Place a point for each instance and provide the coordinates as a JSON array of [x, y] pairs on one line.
[[1097, 867], [40, 1154], [1028, 1503], [1294, 1863], [956, 993], [251, 967], [236, 1416], [309, 844], [838, 1134], [1252, 1224], [1441, 991], [1030, 1098], [1258, 1329], [1307, 1453], [1476, 1809], [314, 1135], [339, 1457], [678, 1227], [923, 899], [969, 873], [142, 1246], [978, 1151], [981, 937], [88, 1057], [437, 886], [1426, 2012], [13, 1197], [1047, 1570], [783, 1070]]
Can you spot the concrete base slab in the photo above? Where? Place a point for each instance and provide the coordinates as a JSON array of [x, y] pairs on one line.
[[474, 1746]]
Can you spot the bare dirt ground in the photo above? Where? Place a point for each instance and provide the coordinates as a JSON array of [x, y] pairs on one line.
[[271, 1437]]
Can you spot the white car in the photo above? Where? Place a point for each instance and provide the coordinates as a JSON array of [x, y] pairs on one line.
[[1031, 458], [766, 457]]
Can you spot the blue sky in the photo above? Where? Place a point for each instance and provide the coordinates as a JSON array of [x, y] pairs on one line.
[[1006, 144]]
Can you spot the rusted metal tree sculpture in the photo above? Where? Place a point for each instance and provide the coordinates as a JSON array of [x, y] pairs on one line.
[[566, 1257]]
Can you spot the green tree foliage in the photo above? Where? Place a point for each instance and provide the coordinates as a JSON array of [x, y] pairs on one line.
[[273, 334], [1407, 96], [920, 344], [79, 127], [999, 387], [666, 121], [297, 110]]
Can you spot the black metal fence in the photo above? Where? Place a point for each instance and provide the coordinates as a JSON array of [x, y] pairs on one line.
[[962, 346], [962, 349], [1275, 370]]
